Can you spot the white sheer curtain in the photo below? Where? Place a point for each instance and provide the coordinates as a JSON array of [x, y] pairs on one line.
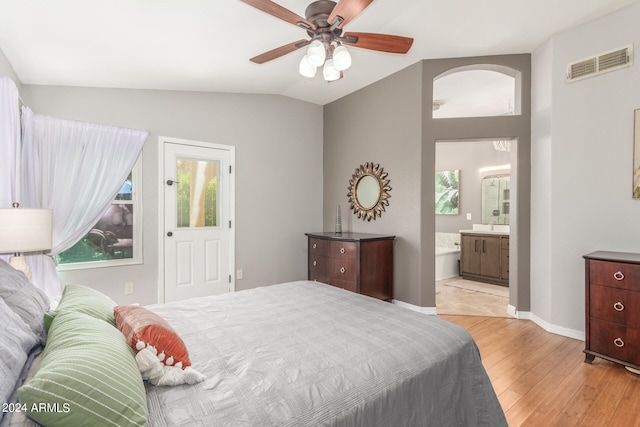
[[76, 169], [9, 143]]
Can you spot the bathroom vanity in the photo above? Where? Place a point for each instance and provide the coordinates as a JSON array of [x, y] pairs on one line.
[[484, 256]]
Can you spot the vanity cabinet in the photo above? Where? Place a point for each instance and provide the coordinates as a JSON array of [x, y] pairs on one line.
[[485, 257], [358, 262], [612, 303]]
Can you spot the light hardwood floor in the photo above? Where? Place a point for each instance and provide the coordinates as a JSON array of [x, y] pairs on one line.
[[541, 378]]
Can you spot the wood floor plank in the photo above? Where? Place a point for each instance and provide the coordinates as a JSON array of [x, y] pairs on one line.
[[611, 394], [571, 411], [627, 412], [541, 378]]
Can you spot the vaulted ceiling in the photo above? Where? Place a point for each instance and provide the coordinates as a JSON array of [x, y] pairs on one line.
[[205, 45]]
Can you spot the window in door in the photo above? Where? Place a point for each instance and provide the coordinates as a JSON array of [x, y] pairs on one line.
[[197, 197]]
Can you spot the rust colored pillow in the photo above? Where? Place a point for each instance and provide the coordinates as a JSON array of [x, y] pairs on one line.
[[142, 328]]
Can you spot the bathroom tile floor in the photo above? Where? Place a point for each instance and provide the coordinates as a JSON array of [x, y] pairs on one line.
[[465, 297]]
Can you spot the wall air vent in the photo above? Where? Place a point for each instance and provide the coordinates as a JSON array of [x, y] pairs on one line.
[[601, 63]]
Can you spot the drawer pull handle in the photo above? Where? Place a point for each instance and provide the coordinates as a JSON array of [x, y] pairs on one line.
[[618, 306], [618, 342], [315, 246], [315, 263], [342, 270], [618, 275], [341, 250]]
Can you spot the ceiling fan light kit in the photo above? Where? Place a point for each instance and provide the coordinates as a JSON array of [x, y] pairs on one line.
[[306, 68], [324, 22], [330, 72], [316, 53], [341, 58]]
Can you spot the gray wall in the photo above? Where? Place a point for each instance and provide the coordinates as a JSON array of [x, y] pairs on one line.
[[582, 164], [380, 124], [278, 144], [390, 122]]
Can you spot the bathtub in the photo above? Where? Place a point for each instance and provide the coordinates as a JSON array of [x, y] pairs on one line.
[[447, 262], [447, 255]]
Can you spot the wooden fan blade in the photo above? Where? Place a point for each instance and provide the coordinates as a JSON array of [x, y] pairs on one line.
[[279, 51], [347, 10], [280, 12], [380, 42]]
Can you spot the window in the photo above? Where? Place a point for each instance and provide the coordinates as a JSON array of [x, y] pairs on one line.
[[480, 90], [116, 239]]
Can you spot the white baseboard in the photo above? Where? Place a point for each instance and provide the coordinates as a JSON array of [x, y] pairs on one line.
[[424, 310], [549, 327], [558, 330], [511, 311]]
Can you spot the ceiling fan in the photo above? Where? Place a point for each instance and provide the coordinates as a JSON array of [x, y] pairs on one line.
[[324, 23]]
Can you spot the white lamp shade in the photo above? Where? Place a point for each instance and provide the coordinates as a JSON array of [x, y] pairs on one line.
[[330, 72], [316, 53], [341, 58], [306, 69], [25, 230]]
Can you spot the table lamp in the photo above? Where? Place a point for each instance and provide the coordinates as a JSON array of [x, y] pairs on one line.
[[24, 230]]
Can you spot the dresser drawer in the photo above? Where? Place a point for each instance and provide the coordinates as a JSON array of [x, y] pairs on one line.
[[616, 341], [333, 249], [322, 266], [614, 274], [615, 305]]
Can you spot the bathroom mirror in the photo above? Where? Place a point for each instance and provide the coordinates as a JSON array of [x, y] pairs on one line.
[[496, 191], [369, 191]]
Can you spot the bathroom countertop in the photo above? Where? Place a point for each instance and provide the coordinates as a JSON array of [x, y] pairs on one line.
[[499, 233]]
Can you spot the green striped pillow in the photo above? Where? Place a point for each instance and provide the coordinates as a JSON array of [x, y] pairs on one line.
[[85, 300], [88, 376]]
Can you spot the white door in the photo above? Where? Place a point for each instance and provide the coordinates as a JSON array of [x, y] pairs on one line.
[[198, 238]]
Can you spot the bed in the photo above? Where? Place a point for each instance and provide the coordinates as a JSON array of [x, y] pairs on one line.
[[309, 354]]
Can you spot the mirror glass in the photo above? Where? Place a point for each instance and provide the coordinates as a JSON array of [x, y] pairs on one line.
[[495, 199], [368, 191]]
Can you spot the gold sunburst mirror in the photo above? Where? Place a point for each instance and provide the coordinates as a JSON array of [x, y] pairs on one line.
[[369, 191]]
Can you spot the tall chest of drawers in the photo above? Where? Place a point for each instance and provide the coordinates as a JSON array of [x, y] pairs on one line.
[[358, 262], [612, 294]]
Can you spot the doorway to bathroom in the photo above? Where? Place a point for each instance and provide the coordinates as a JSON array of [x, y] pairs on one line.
[[473, 205]]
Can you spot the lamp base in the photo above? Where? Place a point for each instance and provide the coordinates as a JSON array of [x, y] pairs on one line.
[[19, 262]]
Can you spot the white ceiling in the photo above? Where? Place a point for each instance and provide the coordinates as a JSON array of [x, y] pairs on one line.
[[205, 45]]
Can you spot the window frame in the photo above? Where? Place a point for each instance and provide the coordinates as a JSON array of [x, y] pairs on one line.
[[136, 202]]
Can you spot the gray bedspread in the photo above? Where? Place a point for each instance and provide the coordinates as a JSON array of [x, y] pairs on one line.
[[309, 354]]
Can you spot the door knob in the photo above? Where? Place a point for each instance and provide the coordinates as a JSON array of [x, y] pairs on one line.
[[171, 182], [169, 233]]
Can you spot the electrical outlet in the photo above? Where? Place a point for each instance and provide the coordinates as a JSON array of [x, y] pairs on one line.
[[468, 217], [128, 288], [239, 275]]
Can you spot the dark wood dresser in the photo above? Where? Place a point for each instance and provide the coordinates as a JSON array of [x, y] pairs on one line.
[[612, 293], [357, 262]]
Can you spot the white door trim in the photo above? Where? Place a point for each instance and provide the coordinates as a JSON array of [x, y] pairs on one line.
[[161, 186]]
